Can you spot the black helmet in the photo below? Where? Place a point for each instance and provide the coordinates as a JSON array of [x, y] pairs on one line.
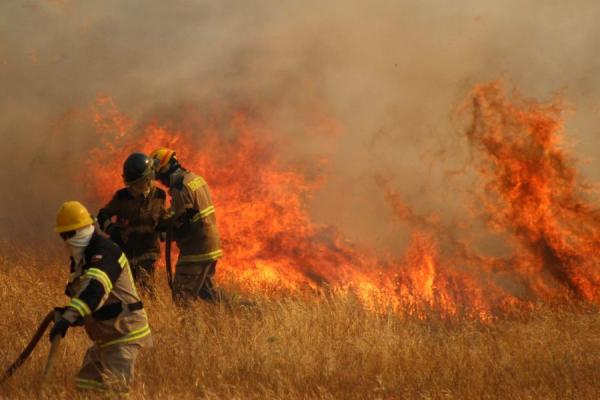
[[136, 167]]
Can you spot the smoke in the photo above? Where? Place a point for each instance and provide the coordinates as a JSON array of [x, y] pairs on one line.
[[370, 85]]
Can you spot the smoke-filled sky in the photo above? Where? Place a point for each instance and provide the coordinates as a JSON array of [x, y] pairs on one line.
[[391, 74]]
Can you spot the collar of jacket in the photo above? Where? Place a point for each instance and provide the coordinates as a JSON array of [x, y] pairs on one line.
[[176, 179], [91, 246]]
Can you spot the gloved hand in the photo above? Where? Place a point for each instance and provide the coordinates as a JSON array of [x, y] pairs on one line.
[[183, 227], [60, 310], [60, 328]]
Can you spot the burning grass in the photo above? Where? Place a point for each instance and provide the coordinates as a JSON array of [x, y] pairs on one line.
[[327, 347], [332, 319], [528, 191]]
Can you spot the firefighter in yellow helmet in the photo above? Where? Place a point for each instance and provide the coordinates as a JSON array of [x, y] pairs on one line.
[[192, 217], [104, 299], [132, 215]]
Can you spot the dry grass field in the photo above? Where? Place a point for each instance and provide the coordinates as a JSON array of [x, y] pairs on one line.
[[324, 348]]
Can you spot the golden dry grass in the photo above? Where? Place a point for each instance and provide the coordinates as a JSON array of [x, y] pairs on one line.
[[326, 348]]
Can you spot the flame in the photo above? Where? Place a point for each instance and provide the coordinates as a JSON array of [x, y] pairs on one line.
[[272, 245], [534, 194]]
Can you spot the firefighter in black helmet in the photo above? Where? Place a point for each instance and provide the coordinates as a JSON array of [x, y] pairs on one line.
[[131, 217]]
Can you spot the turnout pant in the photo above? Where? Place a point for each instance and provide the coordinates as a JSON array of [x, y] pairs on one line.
[[110, 368], [195, 281]]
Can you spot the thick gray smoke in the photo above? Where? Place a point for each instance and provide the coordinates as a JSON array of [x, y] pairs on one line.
[[391, 73]]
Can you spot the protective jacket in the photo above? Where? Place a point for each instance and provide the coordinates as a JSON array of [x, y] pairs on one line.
[[137, 218], [103, 294], [195, 224]]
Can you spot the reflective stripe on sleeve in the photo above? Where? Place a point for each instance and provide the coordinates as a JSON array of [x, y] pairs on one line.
[[123, 261], [130, 337], [207, 211], [80, 306], [213, 255], [204, 213], [100, 276]]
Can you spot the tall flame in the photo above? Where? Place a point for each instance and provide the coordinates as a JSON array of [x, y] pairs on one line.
[[271, 243], [533, 193]]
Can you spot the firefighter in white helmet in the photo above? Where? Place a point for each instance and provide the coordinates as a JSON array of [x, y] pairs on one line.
[[104, 299], [192, 216]]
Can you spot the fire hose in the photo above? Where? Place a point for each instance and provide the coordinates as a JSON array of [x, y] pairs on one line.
[[31, 346]]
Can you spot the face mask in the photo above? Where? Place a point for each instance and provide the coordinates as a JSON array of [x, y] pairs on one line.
[[79, 242]]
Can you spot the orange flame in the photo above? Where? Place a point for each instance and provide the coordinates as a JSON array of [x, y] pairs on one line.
[[533, 194], [271, 244]]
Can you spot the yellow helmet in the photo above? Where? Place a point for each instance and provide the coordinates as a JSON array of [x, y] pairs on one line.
[[162, 156], [72, 215]]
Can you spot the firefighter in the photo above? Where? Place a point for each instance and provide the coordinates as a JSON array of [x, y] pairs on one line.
[[103, 299], [137, 209], [192, 219]]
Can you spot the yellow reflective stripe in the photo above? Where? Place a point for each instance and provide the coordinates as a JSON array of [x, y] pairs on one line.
[[125, 263], [203, 213], [196, 218], [213, 255], [207, 211], [80, 306], [196, 183], [101, 276], [123, 260], [130, 337]]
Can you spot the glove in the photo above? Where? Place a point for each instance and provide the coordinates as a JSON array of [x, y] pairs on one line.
[[60, 328], [58, 316], [184, 228]]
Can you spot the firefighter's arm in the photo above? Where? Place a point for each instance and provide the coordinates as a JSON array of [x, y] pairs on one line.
[[180, 215], [106, 213], [164, 217], [165, 220], [112, 229], [96, 285]]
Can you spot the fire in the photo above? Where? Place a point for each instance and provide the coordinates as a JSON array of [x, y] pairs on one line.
[[271, 243], [534, 194]]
